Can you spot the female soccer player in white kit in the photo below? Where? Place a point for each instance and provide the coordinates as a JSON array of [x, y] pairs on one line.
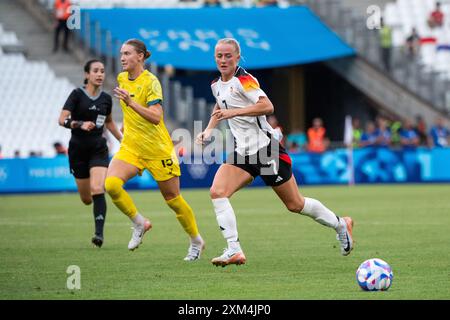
[[240, 100]]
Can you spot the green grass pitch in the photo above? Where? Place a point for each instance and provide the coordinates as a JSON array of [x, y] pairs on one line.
[[288, 256]]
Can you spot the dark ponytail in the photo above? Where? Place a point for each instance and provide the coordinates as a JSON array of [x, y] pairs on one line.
[[140, 47], [87, 68]]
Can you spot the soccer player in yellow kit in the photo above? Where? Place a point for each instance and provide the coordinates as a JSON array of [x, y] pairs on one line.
[[146, 144]]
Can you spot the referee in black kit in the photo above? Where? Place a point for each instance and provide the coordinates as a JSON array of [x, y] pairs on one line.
[[86, 112]]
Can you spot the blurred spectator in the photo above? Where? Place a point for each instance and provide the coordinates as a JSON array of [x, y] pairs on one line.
[[395, 128], [211, 3], [180, 150], [62, 14], [17, 154], [59, 149], [385, 44], [357, 132], [33, 154], [368, 138], [383, 133], [1, 156], [266, 3], [273, 121], [317, 141], [409, 138], [296, 137], [238, 3], [413, 43], [439, 134], [436, 18], [421, 129], [294, 148]]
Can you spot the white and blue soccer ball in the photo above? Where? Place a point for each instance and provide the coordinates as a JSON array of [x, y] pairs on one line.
[[374, 275]]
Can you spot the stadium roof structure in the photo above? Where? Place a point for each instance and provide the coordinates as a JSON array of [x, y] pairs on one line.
[[185, 39]]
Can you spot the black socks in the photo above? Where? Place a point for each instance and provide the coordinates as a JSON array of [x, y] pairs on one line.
[[99, 213]]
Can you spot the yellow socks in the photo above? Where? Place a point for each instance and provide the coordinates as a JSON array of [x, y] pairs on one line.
[[122, 200], [184, 214]]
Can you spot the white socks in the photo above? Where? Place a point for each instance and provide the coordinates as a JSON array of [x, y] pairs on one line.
[[316, 210], [226, 220], [197, 239], [138, 220]]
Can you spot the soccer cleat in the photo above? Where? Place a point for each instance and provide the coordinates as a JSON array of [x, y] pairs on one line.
[[344, 236], [229, 256], [195, 251], [138, 234], [97, 241]]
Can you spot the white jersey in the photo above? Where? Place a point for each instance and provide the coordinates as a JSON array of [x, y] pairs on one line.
[[250, 133]]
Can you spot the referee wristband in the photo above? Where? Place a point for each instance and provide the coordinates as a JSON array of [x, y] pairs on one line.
[[68, 123]]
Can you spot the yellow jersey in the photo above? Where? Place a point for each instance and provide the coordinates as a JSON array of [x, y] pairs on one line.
[[141, 137]]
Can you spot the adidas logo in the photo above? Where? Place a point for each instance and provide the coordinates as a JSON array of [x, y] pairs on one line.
[[278, 179], [94, 107], [100, 217]]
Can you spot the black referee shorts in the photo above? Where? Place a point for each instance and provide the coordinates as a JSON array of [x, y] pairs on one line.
[[272, 163], [86, 153]]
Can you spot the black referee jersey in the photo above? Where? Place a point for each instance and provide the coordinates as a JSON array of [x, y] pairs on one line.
[[86, 108]]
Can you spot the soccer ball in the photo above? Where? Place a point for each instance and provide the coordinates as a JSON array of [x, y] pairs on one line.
[[374, 275]]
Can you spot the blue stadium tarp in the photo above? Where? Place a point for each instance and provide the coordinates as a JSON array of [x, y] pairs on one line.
[[269, 37], [371, 165]]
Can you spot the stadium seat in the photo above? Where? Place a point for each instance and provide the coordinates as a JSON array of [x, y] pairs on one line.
[[37, 128], [403, 15]]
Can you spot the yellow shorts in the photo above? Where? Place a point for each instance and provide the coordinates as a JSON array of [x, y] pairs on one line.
[[161, 170]]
